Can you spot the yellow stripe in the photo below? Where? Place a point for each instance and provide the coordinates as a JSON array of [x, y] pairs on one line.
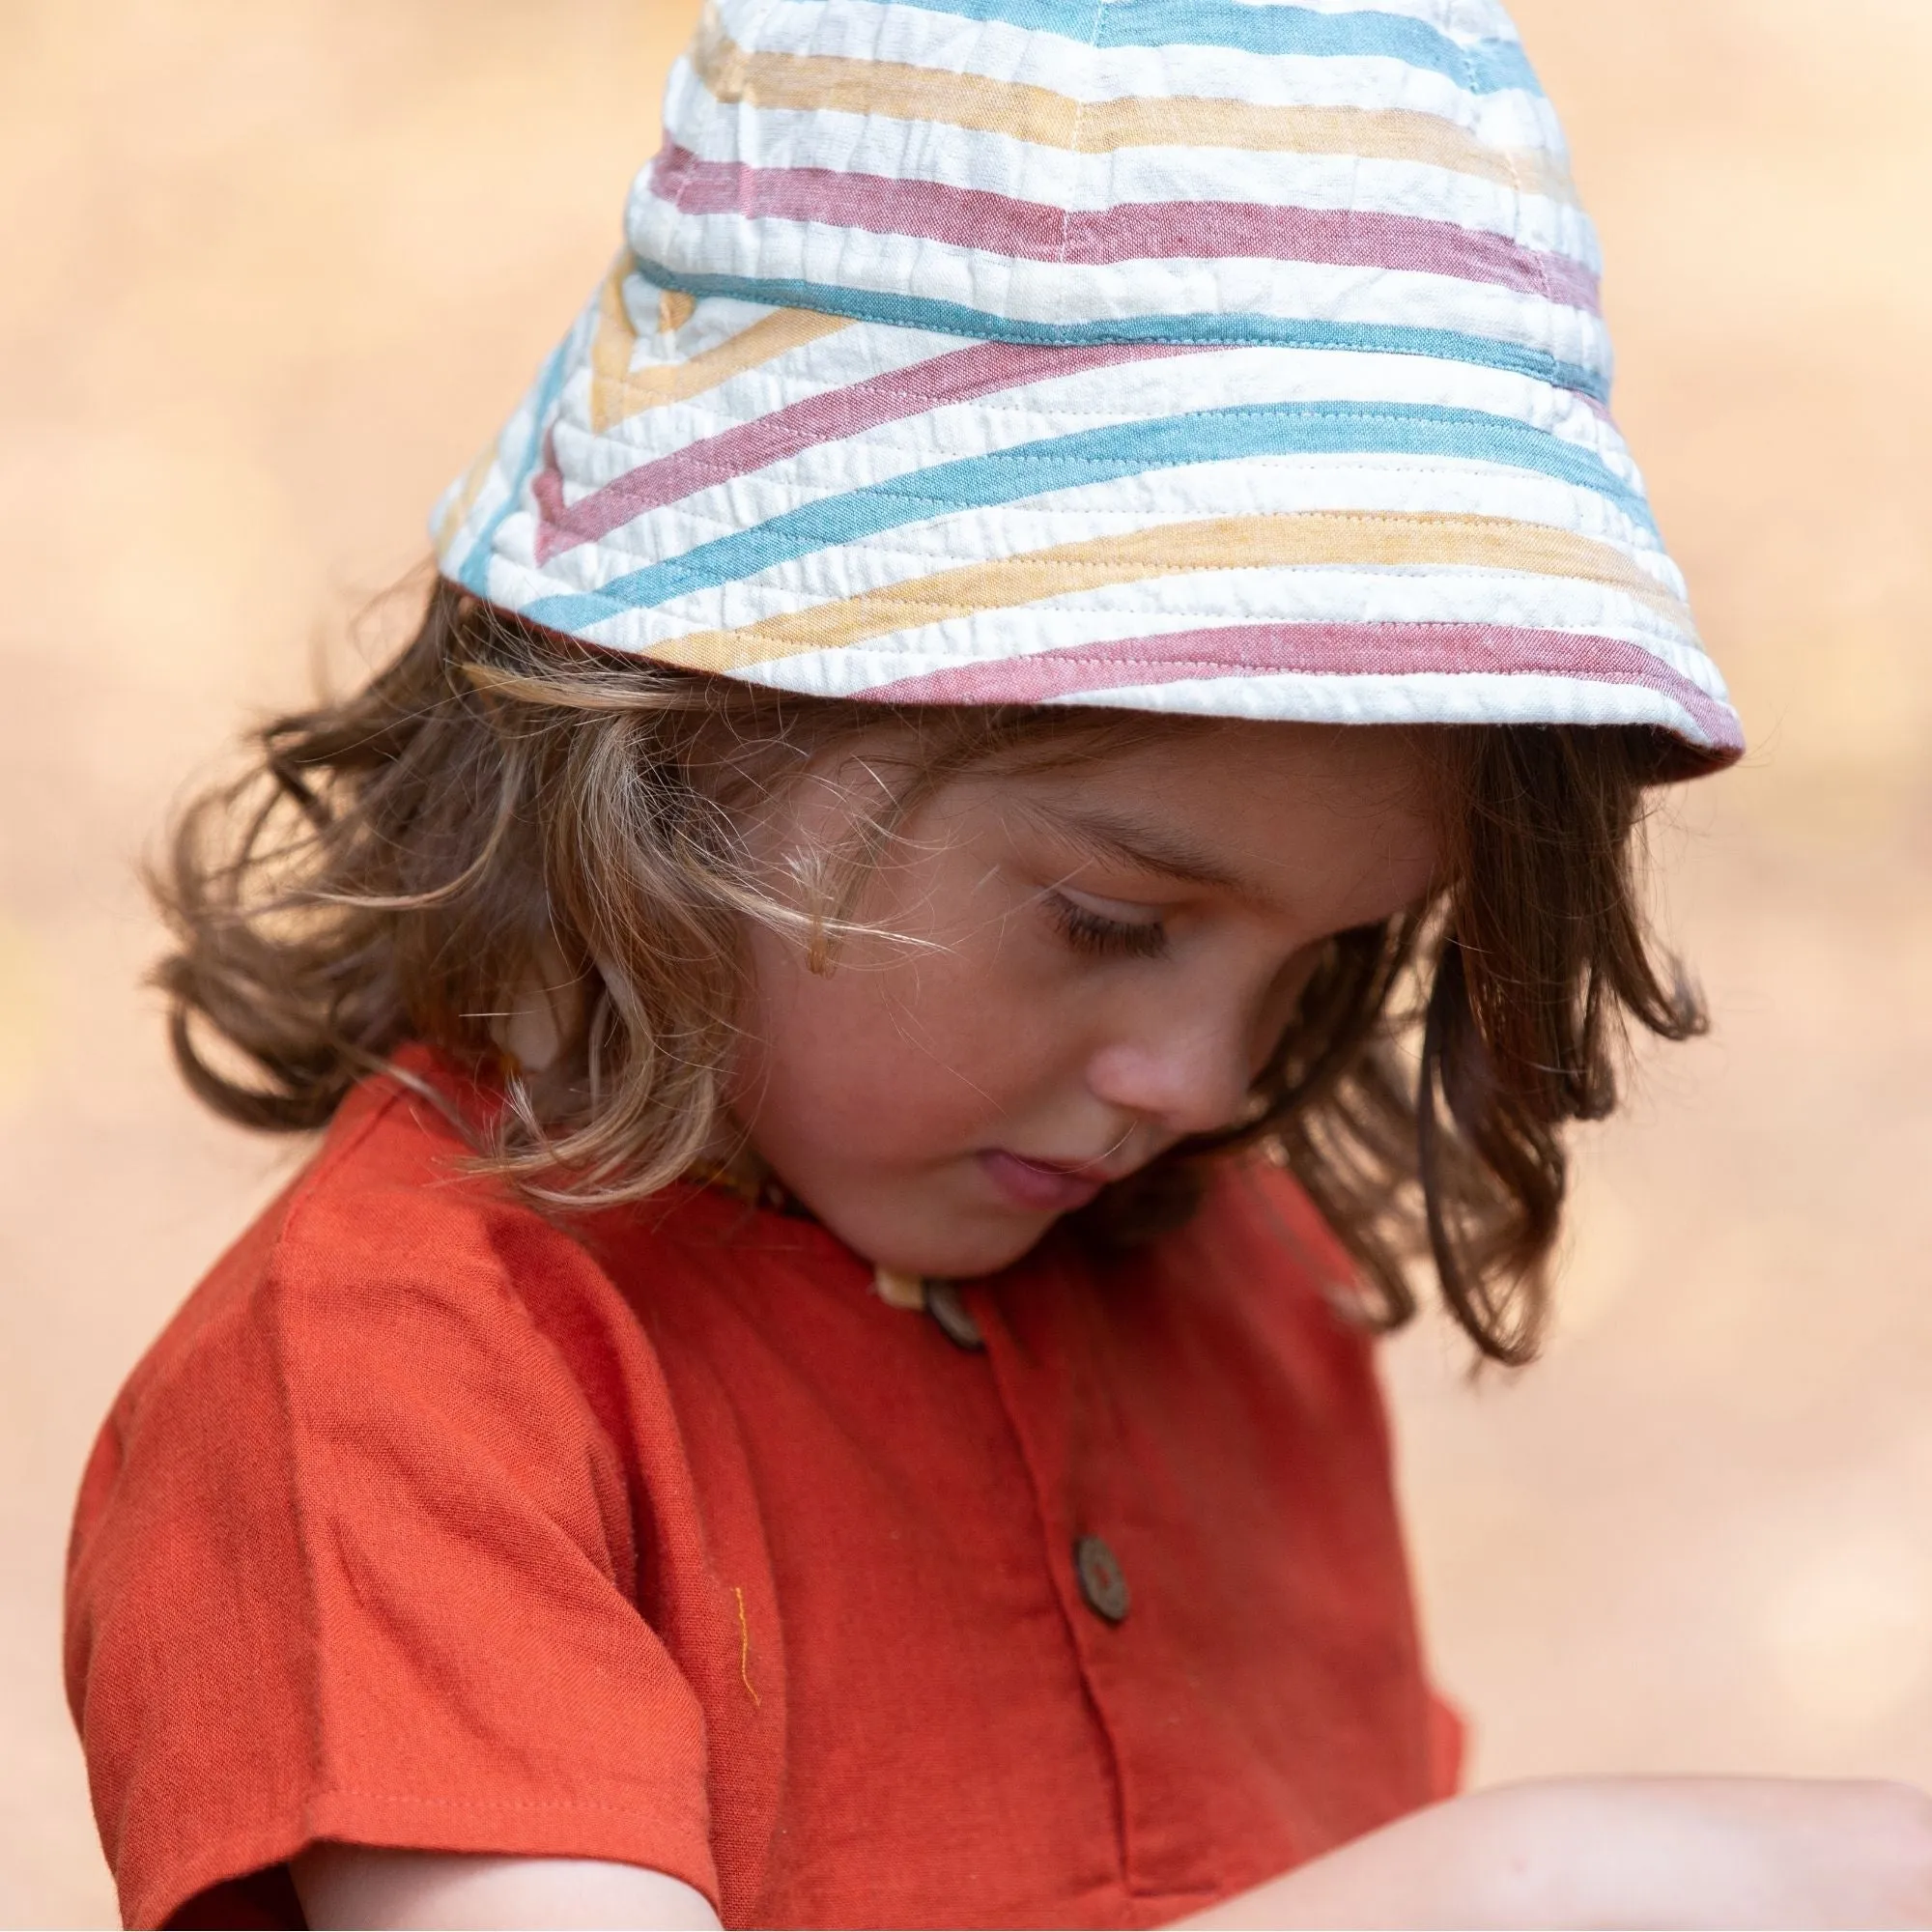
[[1347, 538], [617, 393], [830, 83], [465, 500]]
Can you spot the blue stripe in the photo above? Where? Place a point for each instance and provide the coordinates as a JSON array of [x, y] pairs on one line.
[[1256, 27], [473, 571], [1097, 456], [944, 318]]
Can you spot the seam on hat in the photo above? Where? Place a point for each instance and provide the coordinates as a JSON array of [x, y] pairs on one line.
[[1606, 603], [1538, 260], [1677, 650], [706, 408], [1659, 637], [1091, 653], [1663, 635], [1234, 667], [1340, 407], [865, 304], [1075, 568], [1232, 674], [882, 544], [712, 422], [1351, 411], [1413, 415], [891, 490], [1064, 654], [1039, 506], [882, 547], [952, 611], [1065, 241], [1615, 492], [1658, 644]]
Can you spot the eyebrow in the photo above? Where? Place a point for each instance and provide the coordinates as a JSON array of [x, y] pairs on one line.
[[1121, 839]]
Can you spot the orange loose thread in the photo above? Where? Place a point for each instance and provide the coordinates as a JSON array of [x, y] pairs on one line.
[[745, 1649]]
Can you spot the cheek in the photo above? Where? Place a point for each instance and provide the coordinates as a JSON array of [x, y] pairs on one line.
[[1278, 1007], [894, 1050]]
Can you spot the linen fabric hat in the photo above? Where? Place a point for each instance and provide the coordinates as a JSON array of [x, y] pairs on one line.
[[1231, 357]]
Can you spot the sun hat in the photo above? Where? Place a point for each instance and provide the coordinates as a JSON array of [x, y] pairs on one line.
[[1231, 357]]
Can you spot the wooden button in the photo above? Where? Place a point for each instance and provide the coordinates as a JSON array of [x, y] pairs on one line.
[[948, 1307], [1102, 1582], [899, 1290]]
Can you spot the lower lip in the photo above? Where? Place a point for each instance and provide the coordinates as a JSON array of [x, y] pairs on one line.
[[1040, 1190]]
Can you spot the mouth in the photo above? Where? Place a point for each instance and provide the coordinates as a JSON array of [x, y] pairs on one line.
[[1045, 1186]]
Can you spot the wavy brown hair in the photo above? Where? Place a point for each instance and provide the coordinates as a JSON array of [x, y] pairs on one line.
[[501, 809]]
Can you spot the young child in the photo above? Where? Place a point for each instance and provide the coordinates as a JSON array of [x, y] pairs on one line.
[[1018, 794]]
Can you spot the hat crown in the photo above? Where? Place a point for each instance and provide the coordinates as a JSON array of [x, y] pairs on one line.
[[1385, 175]]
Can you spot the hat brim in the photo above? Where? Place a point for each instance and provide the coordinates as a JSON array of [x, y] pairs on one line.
[[844, 508]]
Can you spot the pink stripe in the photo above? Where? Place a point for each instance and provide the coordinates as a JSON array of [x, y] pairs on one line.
[[1320, 650], [1134, 232], [961, 376]]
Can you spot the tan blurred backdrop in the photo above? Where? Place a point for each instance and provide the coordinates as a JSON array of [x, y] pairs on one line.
[[272, 271]]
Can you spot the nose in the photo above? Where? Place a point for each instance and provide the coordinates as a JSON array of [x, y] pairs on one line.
[[1186, 1070]]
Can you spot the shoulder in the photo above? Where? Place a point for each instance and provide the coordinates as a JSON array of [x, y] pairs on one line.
[[1257, 1229], [1260, 1195], [394, 1195], [392, 1304], [1256, 1277], [387, 1232]]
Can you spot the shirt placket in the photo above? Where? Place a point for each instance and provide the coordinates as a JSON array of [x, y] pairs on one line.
[[1100, 1522]]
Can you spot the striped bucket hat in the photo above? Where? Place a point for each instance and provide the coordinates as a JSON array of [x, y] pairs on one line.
[[1232, 357]]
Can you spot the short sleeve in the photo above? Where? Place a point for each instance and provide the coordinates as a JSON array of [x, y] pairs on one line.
[[356, 1559], [1448, 1748]]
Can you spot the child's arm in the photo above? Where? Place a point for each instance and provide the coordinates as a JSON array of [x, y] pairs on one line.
[[1622, 1852], [349, 1885]]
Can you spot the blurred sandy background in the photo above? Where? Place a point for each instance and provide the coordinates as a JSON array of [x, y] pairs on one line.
[[274, 270]]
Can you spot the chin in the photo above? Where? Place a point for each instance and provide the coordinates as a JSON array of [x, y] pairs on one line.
[[959, 1252]]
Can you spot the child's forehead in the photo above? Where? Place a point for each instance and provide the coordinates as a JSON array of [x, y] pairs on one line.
[[1176, 757], [1335, 829], [1201, 801]]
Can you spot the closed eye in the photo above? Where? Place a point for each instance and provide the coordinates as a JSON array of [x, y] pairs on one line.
[[1094, 933]]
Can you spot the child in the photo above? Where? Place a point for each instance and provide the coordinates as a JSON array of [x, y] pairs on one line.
[[1020, 786]]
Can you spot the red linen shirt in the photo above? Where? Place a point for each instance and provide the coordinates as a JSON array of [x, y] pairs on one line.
[[664, 1540]]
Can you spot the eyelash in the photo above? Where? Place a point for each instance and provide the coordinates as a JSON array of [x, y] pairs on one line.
[[1106, 938]]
